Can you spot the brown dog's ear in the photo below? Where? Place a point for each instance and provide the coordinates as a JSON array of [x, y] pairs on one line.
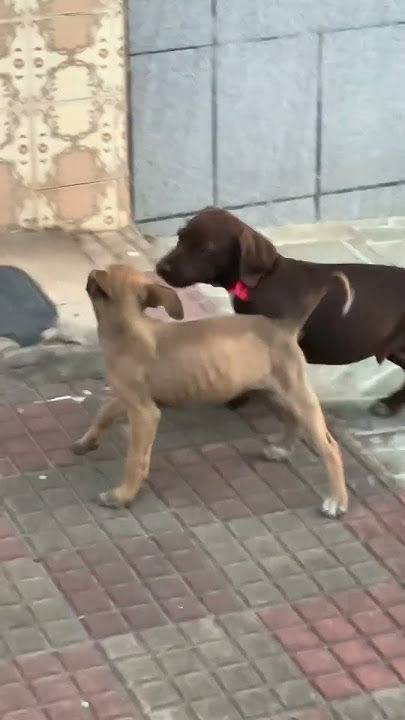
[[257, 256], [158, 295], [103, 281]]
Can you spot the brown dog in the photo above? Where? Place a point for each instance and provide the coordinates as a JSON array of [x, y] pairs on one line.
[[152, 364], [217, 248]]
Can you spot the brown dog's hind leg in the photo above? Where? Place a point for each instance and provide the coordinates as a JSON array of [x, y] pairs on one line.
[[110, 411], [143, 426]]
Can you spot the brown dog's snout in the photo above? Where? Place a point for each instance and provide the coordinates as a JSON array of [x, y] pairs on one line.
[[163, 267]]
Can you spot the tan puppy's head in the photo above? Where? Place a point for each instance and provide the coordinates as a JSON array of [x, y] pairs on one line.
[[111, 287]]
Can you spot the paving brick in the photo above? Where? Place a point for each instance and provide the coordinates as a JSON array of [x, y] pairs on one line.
[[64, 632], [375, 676], [334, 630], [104, 624], [372, 622], [15, 697], [214, 708], [392, 702], [317, 608], [295, 694], [121, 646], [336, 686], [256, 702], [387, 594], [354, 652], [298, 638], [390, 645], [278, 617], [357, 708], [316, 662], [26, 640]]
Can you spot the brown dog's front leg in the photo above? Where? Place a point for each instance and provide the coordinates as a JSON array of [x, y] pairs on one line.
[[110, 411], [143, 426], [390, 405]]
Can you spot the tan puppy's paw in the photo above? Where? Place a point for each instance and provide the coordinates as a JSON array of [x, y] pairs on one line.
[[333, 508], [81, 447], [112, 499], [276, 453]]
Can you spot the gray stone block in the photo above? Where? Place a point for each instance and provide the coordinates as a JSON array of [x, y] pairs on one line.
[[172, 132], [168, 24], [62, 633], [391, 701], [263, 152], [379, 201], [363, 107], [241, 20], [120, 646]]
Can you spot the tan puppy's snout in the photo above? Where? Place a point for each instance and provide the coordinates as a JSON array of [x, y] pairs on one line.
[[92, 286], [98, 284]]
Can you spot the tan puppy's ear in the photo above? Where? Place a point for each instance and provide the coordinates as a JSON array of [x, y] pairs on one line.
[[158, 295], [257, 256]]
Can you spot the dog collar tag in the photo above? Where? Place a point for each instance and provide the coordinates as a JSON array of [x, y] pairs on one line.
[[239, 290]]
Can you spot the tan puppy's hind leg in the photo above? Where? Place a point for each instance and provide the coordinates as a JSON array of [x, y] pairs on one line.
[[108, 413]]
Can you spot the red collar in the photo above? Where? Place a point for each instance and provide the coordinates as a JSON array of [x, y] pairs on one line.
[[239, 289]]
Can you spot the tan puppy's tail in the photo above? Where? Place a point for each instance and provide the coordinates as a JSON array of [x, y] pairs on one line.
[[312, 300]]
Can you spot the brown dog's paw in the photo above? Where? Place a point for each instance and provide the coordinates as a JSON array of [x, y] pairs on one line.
[[382, 409], [79, 448]]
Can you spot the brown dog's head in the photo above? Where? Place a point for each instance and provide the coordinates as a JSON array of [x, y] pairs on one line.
[[109, 289], [215, 247]]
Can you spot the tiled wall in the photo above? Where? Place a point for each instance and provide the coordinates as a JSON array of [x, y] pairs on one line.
[[279, 109], [63, 149]]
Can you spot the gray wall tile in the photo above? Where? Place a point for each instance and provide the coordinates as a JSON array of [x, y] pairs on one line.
[[171, 116], [363, 107], [262, 89], [375, 202], [301, 210], [168, 24], [249, 19], [168, 226]]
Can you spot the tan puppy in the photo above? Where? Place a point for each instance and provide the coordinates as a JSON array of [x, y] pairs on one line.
[[151, 363]]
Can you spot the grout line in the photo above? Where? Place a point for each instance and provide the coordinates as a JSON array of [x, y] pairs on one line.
[[275, 201], [318, 149], [214, 99], [269, 38]]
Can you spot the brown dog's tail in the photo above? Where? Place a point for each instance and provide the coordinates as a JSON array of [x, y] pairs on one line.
[[312, 300]]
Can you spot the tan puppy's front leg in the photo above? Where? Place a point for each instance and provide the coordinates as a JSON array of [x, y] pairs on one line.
[[143, 426], [110, 411]]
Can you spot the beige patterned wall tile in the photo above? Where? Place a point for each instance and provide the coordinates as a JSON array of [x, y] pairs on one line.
[[117, 58], [13, 8], [15, 70], [78, 142], [16, 144], [94, 206], [63, 114], [17, 203], [70, 57], [61, 7]]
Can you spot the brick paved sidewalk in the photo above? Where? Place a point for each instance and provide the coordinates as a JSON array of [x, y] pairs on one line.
[[222, 594]]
